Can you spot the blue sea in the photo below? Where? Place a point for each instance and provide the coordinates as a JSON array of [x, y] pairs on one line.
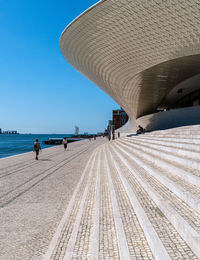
[[22, 143]]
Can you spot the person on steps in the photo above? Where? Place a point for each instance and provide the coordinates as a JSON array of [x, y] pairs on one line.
[[140, 130]]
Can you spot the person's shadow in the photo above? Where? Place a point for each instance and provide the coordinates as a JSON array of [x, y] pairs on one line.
[[131, 135]]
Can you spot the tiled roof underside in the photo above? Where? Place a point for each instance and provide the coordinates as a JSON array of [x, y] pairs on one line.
[[134, 50]]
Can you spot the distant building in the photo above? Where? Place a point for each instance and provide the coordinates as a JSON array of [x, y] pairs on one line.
[[109, 127], [9, 132], [119, 118], [76, 130]]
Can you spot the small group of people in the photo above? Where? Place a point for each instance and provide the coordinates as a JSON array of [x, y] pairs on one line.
[[37, 146], [94, 137], [112, 136]]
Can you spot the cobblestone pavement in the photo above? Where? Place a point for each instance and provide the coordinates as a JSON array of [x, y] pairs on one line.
[[99, 200], [34, 196]]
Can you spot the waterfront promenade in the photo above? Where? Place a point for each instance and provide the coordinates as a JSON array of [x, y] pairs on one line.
[[34, 196], [135, 197]]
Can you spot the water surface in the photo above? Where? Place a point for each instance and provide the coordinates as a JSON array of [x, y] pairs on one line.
[[22, 143]]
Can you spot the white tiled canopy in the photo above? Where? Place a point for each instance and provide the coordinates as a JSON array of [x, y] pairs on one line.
[[137, 51]]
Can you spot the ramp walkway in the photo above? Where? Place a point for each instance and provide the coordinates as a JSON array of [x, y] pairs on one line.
[[135, 198]]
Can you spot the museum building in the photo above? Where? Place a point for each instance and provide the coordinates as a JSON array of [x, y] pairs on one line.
[[145, 54]]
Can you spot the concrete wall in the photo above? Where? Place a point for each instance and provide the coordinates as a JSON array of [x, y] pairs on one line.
[[170, 119], [129, 128]]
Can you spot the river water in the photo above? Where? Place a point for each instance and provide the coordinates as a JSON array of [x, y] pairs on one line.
[[22, 143]]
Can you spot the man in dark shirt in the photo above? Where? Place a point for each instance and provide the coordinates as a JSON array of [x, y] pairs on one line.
[[36, 148]]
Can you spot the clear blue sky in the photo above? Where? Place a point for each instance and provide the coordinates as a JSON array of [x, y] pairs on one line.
[[39, 91]]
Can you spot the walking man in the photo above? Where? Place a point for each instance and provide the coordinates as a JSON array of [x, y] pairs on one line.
[[65, 143], [36, 148]]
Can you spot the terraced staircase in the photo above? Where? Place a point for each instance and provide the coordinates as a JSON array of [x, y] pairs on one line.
[[139, 198]]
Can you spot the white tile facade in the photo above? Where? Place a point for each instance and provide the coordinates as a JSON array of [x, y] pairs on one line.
[[136, 50]]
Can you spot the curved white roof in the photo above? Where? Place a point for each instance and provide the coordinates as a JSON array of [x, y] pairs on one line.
[[137, 51]]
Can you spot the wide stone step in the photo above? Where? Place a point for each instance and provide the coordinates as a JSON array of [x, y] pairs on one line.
[[176, 132], [176, 144], [180, 136], [186, 153], [182, 161], [172, 139], [145, 169], [138, 227], [195, 128], [132, 242], [171, 228], [185, 191]]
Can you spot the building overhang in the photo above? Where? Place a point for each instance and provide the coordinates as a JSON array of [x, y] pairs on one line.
[[136, 51]]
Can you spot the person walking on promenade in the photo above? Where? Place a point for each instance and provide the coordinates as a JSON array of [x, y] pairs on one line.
[[113, 135], [65, 143], [36, 148]]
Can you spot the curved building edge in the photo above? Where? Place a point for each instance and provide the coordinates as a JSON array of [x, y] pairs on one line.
[[142, 54]]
